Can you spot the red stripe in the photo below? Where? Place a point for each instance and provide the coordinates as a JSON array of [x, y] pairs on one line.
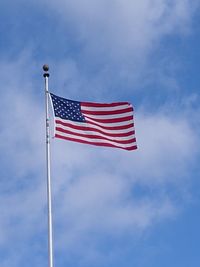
[[93, 143], [128, 118], [111, 112], [95, 136], [98, 131], [101, 105], [122, 127]]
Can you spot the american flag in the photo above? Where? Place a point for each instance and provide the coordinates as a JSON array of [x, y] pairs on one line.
[[97, 124]]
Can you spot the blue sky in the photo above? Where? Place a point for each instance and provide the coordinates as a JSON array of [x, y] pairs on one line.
[[110, 207]]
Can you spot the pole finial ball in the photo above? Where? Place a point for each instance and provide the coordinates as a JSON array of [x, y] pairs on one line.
[[45, 67]]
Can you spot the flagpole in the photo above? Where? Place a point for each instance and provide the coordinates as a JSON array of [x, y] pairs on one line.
[[48, 164]]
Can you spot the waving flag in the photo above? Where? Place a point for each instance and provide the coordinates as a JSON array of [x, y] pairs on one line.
[[97, 124]]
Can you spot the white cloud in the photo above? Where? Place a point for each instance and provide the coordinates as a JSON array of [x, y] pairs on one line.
[[124, 28], [114, 43], [22, 179], [167, 144]]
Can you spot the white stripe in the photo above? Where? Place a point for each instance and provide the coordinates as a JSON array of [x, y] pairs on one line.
[[103, 117], [97, 140], [54, 124], [94, 133], [106, 108], [98, 123], [87, 124]]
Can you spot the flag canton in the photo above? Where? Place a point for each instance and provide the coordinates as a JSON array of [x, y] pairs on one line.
[[67, 109]]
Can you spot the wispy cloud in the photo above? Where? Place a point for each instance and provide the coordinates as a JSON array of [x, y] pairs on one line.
[[119, 29]]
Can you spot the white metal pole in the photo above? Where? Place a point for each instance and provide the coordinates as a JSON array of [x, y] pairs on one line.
[[49, 201]]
